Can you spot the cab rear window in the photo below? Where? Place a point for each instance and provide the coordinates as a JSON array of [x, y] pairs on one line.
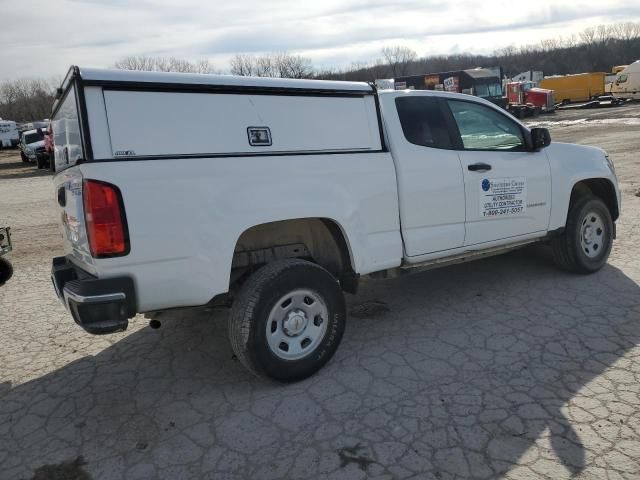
[[423, 122]]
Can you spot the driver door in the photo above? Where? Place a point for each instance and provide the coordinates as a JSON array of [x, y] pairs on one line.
[[507, 186]]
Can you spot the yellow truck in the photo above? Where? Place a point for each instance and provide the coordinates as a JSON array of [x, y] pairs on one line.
[[580, 87]]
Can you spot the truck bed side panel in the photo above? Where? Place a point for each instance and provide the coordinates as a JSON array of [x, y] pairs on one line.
[[185, 215]]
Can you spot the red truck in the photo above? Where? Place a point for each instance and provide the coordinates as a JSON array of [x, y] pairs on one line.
[[524, 99]]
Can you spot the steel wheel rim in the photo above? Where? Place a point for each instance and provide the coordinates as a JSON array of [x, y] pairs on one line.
[[296, 324], [592, 235]]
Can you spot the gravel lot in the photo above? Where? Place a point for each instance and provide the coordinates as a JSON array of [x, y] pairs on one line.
[[504, 367]]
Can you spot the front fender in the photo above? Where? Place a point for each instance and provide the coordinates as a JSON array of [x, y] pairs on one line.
[[571, 164]]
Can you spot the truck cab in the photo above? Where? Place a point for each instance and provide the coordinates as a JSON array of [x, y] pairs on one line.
[[524, 99], [627, 82]]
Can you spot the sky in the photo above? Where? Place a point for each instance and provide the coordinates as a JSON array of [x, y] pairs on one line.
[[43, 38]]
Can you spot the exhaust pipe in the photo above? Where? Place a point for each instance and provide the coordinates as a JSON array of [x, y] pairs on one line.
[[155, 324]]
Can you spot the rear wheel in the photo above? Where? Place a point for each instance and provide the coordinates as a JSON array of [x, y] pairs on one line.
[[6, 270], [585, 244], [287, 320]]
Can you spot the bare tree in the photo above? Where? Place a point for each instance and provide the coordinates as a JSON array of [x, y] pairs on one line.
[[243, 65], [398, 58], [588, 36], [629, 34], [293, 66], [164, 64], [136, 63], [282, 65], [589, 41], [506, 52], [604, 34], [204, 66], [265, 66]]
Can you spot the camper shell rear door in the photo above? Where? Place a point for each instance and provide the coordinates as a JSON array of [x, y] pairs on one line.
[[69, 151]]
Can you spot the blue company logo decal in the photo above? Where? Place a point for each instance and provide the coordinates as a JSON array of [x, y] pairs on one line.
[[486, 184]]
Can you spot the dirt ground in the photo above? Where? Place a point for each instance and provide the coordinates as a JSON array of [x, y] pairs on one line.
[[502, 368]]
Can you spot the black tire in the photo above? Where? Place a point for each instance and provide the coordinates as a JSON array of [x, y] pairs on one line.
[[40, 163], [252, 307], [6, 271], [24, 158], [568, 251]]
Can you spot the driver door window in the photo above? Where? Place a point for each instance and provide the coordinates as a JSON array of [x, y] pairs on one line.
[[483, 128]]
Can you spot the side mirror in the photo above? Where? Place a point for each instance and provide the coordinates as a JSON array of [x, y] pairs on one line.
[[540, 138]]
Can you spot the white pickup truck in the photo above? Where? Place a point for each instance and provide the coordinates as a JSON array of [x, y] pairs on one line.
[[274, 196]]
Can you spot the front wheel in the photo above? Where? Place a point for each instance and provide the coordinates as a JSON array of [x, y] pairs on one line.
[[287, 320], [585, 244], [24, 158]]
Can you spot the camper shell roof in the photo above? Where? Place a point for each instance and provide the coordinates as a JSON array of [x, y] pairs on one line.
[[96, 75], [197, 82]]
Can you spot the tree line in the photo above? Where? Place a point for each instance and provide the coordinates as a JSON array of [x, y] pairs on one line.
[[594, 49], [27, 99]]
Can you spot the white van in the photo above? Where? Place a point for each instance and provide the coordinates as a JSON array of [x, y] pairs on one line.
[[9, 135], [627, 82]]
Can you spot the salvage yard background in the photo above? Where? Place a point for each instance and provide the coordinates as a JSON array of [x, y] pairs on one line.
[[502, 367]]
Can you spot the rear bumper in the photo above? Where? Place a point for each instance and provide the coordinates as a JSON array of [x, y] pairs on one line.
[[100, 306]]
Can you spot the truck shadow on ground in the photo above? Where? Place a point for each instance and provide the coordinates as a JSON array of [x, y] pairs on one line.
[[473, 370], [21, 169]]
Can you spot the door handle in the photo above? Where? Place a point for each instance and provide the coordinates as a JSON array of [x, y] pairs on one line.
[[479, 167]]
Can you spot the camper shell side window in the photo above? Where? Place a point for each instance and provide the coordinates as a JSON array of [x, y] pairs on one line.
[[67, 137]]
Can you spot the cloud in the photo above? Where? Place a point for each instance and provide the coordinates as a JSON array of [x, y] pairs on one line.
[[42, 38]]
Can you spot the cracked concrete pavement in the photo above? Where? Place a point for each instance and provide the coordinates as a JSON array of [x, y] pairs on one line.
[[502, 368]]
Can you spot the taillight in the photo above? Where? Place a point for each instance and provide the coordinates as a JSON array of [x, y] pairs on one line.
[[105, 218]]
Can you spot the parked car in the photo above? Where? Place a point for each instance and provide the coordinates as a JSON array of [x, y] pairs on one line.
[[6, 269], [277, 195], [9, 136], [32, 147]]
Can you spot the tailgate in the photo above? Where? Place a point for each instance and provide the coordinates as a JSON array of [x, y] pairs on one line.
[[68, 193]]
